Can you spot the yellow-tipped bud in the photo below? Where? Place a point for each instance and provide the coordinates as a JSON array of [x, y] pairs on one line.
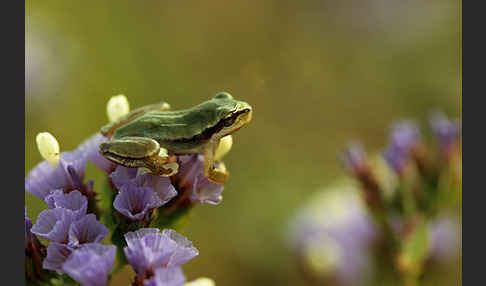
[[203, 281], [117, 107], [224, 147], [48, 148]]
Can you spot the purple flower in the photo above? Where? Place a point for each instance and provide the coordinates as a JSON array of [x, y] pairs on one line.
[[147, 250], [444, 239], [333, 233], [131, 178], [172, 276], [354, 158], [91, 264], [54, 224], [57, 254], [446, 131], [67, 176], [74, 201], [136, 202], [191, 178], [89, 149], [183, 248], [404, 137], [86, 230]]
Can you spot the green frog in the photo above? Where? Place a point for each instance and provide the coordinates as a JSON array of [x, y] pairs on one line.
[[151, 136]]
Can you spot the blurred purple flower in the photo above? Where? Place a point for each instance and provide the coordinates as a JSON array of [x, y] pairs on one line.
[[89, 149], [74, 201], [403, 138], [172, 276], [191, 178], [131, 178], [444, 238], [147, 250], [446, 131], [136, 202], [354, 158], [57, 254], [86, 230], [68, 175], [54, 224], [91, 264], [333, 234]]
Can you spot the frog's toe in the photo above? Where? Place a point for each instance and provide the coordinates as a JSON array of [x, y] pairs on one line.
[[170, 169], [218, 176]]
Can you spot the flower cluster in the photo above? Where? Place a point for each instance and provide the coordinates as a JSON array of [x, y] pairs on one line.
[[74, 237], [133, 205], [406, 220]]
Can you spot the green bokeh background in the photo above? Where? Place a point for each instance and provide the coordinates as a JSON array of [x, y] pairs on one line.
[[318, 74]]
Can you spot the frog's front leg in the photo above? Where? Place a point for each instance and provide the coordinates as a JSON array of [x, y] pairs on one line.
[[139, 152], [108, 129], [217, 175]]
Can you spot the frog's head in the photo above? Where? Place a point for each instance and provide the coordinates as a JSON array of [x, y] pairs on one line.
[[232, 114]]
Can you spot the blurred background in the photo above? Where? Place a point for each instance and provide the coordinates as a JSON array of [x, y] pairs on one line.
[[318, 74]]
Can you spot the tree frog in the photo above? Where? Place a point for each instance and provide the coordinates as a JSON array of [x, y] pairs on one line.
[[148, 137]]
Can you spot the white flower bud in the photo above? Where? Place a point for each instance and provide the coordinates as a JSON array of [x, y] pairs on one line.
[[117, 107], [224, 147], [203, 281], [48, 148]]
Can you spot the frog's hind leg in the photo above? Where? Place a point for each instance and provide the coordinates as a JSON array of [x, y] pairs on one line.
[[217, 175], [110, 128], [139, 152]]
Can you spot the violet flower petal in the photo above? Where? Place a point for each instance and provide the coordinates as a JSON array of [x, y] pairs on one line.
[[147, 249], [57, 254], [160, 185], [54, 224], [135, 202], [74, 201], [446, 131], [404, 136], [42, 179], [86, 230], [91, 264], [184, 250], [191, 176], [172, 276], [123, 175]]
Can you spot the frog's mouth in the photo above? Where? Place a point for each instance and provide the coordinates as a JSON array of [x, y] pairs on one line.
[[246, 115], [242, 118]]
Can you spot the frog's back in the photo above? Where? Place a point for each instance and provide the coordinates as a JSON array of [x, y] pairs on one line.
[[173, 125]]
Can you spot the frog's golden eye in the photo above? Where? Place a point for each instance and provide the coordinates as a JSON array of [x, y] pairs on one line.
[[229, 121]]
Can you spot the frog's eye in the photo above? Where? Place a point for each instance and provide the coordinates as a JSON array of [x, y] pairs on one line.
[[223, 95], [229, 121]]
